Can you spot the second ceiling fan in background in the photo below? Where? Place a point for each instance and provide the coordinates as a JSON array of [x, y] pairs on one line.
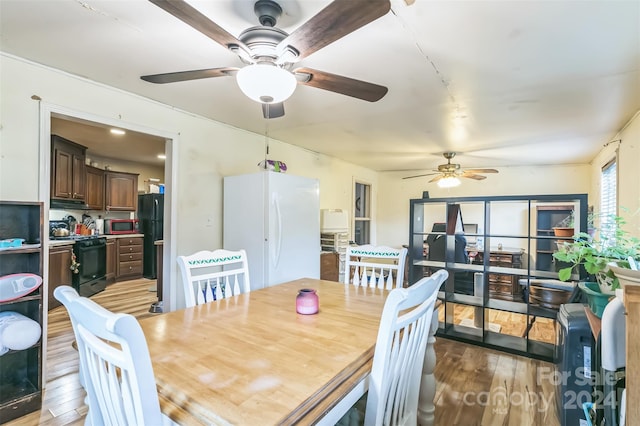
[[270, 50], [447, 174]]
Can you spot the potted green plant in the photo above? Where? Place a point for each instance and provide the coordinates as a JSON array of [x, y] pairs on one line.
[[614, 245]]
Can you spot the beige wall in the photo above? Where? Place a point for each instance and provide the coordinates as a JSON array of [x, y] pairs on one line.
[[205, 150]]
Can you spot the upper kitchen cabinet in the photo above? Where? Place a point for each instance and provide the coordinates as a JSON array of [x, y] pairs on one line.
[[95, 188], [121, 191], [68, 174]]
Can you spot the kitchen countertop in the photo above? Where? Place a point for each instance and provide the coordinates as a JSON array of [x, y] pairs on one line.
[[112, 237], [56, 243]]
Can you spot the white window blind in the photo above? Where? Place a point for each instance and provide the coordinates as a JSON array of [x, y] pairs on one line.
[[608, 200]]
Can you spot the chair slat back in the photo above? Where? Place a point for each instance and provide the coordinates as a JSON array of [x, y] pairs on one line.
[[117, 371], [375, 266], [213, 275], [394, 384]]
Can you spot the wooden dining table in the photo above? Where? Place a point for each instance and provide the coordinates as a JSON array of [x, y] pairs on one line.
[[252, 360]]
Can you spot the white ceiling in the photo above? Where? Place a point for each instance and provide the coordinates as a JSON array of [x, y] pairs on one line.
[[500, 82]]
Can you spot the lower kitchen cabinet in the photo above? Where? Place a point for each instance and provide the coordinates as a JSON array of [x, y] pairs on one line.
[[112, 260], [59, 270], [129, 258]]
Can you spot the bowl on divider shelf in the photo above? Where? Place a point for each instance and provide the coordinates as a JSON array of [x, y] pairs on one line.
[[11, 242], [625, 276]]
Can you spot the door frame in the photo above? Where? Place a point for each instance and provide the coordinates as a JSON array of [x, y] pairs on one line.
[[170, 209]]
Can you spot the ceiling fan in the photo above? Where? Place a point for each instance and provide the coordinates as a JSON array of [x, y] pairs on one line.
[[270, 53], [448, 174]]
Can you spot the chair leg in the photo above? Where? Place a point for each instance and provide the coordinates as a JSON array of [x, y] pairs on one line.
[[426, 407]]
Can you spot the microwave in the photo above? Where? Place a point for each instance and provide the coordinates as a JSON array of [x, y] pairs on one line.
[[121, 226]]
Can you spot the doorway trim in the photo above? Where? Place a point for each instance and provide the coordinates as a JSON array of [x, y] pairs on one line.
[[170, 177]]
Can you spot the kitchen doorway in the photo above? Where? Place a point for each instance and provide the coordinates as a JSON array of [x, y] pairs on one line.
[[52, 116]]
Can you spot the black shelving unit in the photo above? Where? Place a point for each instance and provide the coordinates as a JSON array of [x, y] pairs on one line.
[[21, 371], [547, 243], [519, 226]]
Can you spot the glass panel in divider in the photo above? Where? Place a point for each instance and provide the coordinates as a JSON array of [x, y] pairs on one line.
[[426, 217], [553, 225], [464, 321]]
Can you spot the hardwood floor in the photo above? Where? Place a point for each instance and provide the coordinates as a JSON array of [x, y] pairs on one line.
[[475, 386]]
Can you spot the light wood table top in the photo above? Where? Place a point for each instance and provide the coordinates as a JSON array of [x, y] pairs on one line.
[[252, 360]]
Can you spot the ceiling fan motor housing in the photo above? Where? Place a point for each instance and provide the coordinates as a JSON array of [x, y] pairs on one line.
[[267, 12]]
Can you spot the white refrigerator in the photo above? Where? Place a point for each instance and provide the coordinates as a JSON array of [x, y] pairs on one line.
[[275, 217]]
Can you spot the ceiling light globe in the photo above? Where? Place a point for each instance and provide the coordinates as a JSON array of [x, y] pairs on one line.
[[267, 84], [448, 182]]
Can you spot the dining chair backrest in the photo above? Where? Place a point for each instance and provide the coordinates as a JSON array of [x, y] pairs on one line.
[[213, 275], [613, 344], [116, 367], [394, 384], [375, 266], [65, 295]]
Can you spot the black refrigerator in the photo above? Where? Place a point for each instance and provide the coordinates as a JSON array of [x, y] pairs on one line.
[[150, 212]]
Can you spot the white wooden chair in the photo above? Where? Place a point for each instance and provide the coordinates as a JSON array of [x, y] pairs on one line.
[[613, 359], [115, 364], [371, 266], [65, 295], [213, 275], [394, 384]]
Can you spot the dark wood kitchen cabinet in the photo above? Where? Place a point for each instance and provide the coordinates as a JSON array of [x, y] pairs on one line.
[[21, 370], [112, 260], [68, 174], [129, 258], [121, 191], [95, 188], [59, 271]]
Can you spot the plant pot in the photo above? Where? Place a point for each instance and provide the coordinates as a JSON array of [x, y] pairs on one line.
[[607, 281], [596, 299], [564, 232]]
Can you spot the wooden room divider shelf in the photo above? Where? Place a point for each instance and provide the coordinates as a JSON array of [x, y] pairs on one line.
[[21, 370], [508, 251]]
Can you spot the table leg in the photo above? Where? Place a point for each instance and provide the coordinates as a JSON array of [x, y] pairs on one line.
[[426, 407]]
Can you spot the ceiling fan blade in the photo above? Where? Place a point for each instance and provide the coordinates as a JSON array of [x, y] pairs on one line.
[[473, 176], [437, 178], [173, 77], [481, 170], [335, 21], [417, 176], [191, 16], [273, 110], [339, 84]]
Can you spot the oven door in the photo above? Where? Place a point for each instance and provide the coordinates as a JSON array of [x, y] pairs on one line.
[[92, 256]]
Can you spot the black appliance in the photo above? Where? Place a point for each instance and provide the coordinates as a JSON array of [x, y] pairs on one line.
[[91, 253], [573, 357], [150, 213]]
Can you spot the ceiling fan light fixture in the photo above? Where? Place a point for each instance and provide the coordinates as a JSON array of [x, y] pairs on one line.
[[449, 182], [266, 83]]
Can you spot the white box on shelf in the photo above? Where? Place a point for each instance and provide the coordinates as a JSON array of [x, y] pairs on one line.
[[334, 220]]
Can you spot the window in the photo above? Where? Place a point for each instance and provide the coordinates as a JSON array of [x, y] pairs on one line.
[[608, 200], [362, 214]]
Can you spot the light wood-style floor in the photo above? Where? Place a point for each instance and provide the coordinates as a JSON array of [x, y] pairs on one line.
[[475, 386]]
